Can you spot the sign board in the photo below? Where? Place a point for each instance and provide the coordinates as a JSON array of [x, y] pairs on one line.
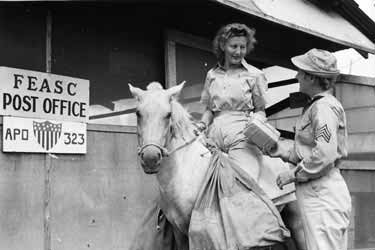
[[43, 136], [34, 94]]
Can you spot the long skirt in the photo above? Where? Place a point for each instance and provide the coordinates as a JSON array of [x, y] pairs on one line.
[[226, 132]]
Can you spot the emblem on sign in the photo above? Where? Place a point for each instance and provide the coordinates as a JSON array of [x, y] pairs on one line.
[[47, 133]]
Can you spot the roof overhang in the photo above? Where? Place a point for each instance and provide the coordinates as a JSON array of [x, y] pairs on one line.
[[304, 16]]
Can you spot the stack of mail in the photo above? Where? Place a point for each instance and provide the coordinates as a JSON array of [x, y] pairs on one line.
[[262, 134]]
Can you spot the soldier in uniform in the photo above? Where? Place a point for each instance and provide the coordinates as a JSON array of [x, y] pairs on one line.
[[320, 142]]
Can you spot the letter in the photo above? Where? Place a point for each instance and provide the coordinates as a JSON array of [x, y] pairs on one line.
[[27, 104], [83, 109], [7, 99], [63, 106], [25, 135], [17, 81], [17, 102], [55, 105], [34, 98], [32, 83], [16, 132], [8, 134], [47, 106], [74, 105], [58, 87], [45, 85], [69, 91]]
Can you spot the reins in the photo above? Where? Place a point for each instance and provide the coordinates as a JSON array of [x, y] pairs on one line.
[[183, 145], [165, 152]]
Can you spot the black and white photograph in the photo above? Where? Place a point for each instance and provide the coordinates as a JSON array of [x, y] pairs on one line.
[[187, 125]]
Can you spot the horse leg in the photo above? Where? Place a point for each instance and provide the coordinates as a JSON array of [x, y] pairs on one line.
[[292, 218], [182, 240]]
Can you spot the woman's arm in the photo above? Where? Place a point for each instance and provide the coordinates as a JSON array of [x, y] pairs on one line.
[[259, 96], [207, 117]]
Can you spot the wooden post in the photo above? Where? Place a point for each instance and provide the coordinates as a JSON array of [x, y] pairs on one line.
[[48, 160], [49, 42], [47, 199]]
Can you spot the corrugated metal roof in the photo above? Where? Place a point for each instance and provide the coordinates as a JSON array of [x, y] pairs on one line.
[[304, 16]]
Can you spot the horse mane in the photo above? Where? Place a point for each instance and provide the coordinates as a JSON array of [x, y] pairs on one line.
[[154, 86], [182, 123]]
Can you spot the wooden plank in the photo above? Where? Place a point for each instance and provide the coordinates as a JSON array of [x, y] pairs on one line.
[[21, 200], [354, 95], [170, 63], [49, 41], [358, 165], [188, 40], [361, 120], [98, 199], [112, 128], [286, 113], [359, 181], [362, 143], [46, 203], [335, 21], [173, 37], [47, 163], [357, 80]]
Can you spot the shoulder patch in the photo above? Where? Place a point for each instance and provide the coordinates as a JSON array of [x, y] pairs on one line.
[[323, 132]]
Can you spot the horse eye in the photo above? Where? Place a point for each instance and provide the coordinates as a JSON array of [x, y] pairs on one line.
[[169, 114], [137, 113]]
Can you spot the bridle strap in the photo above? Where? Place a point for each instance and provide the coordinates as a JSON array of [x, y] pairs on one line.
[[163, 150], [183, 145]]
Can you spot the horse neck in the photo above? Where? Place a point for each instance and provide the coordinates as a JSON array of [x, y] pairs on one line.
[[182, 173], [173, 164]]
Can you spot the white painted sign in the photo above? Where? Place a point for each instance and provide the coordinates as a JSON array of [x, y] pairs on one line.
[[43, 136], [35, 94]]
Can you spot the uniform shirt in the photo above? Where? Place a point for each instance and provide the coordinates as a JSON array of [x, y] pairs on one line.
[[321, 137], [241, 89]]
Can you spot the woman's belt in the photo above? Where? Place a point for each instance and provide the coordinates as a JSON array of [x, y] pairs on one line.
[[233, 112]]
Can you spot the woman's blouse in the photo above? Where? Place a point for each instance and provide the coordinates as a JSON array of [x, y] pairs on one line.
[[241, 89], [321, 137]]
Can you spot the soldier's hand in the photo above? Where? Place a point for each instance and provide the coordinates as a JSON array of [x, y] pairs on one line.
[[285, 178], [280, 149]]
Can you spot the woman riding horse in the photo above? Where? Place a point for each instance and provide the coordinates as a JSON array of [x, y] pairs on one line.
[[234, 91]]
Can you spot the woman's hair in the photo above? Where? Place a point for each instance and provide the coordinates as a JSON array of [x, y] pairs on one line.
[[233, 30]]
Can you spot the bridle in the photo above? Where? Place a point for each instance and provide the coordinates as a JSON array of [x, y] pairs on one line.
[[163, 150]]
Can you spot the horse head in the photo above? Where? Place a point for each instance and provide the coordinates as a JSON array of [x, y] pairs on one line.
[[154, 113]]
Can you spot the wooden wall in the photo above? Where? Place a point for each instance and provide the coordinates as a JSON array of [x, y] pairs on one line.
[[95, 200]]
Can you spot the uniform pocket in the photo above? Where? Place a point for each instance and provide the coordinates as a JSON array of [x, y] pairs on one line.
[[305, 126], [304, 132]]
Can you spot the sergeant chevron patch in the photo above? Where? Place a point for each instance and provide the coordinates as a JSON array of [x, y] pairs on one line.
[[323, 132]]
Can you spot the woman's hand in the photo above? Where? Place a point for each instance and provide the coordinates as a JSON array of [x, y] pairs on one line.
[[200, 127], [285, 178]]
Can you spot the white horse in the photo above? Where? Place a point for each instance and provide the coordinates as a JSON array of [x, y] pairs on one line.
[[165, 128]]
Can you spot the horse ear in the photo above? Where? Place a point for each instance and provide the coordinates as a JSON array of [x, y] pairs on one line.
[[175, 91], [136, 92]]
